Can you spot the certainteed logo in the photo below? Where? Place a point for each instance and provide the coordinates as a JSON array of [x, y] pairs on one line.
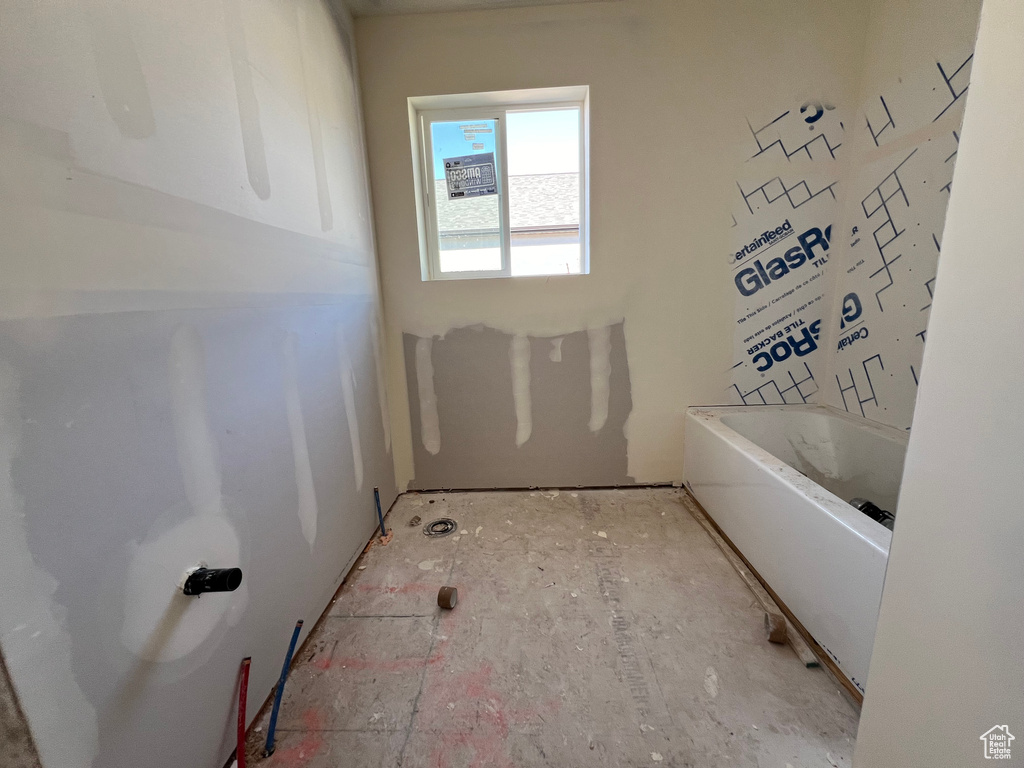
[[768, 237]]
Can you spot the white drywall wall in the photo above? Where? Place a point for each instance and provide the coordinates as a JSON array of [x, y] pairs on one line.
[[672, 85], [189, 362], [947, 665]]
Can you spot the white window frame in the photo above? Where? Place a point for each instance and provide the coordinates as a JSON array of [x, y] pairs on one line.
[[493, 105]]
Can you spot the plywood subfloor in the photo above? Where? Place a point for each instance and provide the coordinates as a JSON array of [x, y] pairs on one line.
[[593, 628]]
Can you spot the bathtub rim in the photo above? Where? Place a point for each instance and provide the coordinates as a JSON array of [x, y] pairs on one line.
[[858, 524]]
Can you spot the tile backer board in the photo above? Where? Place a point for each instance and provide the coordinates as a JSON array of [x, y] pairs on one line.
[[884, 277], [849, 327]]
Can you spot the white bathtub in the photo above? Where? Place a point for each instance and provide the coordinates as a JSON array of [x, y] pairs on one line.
[[776, 480]]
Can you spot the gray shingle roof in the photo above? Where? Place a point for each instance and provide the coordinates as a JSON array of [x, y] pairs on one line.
[[551, 199]]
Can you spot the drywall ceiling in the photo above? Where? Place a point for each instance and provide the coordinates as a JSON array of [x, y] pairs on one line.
[[390, 7]]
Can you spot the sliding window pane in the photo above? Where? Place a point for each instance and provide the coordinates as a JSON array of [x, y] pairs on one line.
[[544, 191]]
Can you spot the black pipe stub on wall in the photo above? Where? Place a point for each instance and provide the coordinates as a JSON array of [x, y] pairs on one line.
[[203, 580]]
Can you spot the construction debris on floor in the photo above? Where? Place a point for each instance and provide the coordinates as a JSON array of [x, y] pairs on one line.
[[592, 628]]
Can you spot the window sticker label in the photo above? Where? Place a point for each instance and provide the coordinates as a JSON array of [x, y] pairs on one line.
[[470, 176]]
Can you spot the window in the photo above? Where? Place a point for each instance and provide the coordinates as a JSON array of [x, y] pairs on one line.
[[501, 183]]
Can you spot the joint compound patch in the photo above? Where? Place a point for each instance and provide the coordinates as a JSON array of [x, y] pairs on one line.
[[307, 508], [600, 375], [519, 356], [37, 645], [348, 391], [555, 355], [160, 623], [430, 427]]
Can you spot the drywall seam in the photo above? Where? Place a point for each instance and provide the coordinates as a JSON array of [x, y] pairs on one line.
[[348, 386], [316, 137], [160, 623], [519, 356], [35, 641], [430, 427], [34, 157], [600, 340], [248, 107], [307, 507]]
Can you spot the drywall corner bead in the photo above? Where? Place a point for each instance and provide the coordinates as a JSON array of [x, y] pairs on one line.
[[600, 340], [348, 386], [430, 427], [36, 643], [307, 509], [316, 138], [519, 356], [382, 386]]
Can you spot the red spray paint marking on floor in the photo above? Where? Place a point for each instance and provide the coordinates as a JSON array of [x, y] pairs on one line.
[[480, 722], [481, 719], [312, 743]]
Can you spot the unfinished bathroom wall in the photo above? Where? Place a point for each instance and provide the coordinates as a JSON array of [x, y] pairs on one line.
[[837, 220], [190, 363], [672, 88], [903, 146], [539, 431]]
